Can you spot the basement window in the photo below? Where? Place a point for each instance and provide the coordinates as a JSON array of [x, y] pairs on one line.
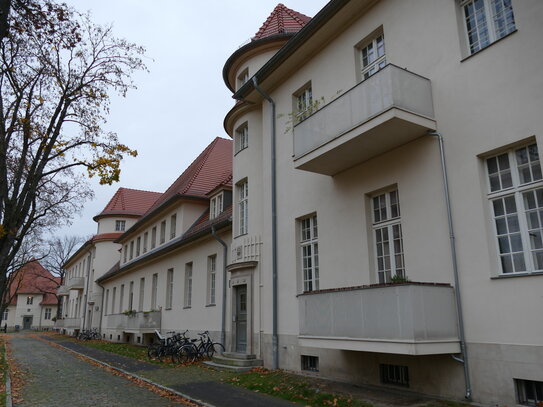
[[529, 392], [395, 375], [310, 363]]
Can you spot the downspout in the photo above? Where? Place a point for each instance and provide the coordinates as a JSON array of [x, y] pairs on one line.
[[463, 348], [275, 341], [223, 306]]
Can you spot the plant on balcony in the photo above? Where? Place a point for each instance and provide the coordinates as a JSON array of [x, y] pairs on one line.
[[397, 278], [130, 312], [54, 319]]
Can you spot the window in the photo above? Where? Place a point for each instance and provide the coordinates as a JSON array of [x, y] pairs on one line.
[[487, 21], [215, 206], [372, 56], [121, 298], [516, 199], [162, 231], [106, 302], [529, 392], [387, 230], [131, 250], [243, 77], [138, 246], [243, 192], [29, 300], [145, 239], [169, 289], [310, 363], [241, 138], [131, 296], [142, 293], [47, 313], [5, 315], [173, 224], [113, 300], [188, 285], [125, 253], [120, 225], [309, 252], [153, 238], [393, 374], [304, 103], [153, 291], [211, 278]]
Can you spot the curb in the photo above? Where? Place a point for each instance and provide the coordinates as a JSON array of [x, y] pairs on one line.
[[135, 376], [9, 401]]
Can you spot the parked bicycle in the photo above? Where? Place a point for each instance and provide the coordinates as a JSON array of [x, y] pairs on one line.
[[198, 349], [89, 335], [166, 346]]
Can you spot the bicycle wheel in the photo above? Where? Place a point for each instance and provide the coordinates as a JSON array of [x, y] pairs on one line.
[[152, 352], [184, 354], [214, 348]]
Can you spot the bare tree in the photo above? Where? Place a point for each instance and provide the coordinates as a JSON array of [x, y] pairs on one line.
[[57, 70]]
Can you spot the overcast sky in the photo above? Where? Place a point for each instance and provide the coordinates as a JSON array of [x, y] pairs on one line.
[[179, 106]]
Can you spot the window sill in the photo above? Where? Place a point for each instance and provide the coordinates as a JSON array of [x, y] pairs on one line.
[[211, 305], [187, 307], [514, 275], [168, 309], [240, 150], [241, 234], [488, 46]]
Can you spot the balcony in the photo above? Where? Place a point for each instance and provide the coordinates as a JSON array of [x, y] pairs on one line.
[[409, 319], [76, 283], [63, 290], [137, 322], [73, 323], [390, 108]]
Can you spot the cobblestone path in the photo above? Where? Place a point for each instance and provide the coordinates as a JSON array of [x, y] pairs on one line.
[[57, 378]]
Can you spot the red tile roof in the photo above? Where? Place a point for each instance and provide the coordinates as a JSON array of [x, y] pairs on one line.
[[209, 170], [33, 278], [127, 201], [281, 20]]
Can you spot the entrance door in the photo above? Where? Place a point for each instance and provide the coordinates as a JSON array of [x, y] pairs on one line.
[[27, 322], [241, 318]]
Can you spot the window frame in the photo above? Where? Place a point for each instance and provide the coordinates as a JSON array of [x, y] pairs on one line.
[[154, 291], [242, 189], [311, 242], [141, 294], [120, 225], [303, 103], [518, 190], [30, 300], [187, 297], [162, 232], [47, 314], [212, 279], [216, 205], [169, 288], [173, 226], [380, 61], [153, 237], [241, 137]]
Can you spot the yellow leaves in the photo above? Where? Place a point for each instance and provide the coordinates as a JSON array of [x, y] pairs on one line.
[[107, 165], [2, 231]]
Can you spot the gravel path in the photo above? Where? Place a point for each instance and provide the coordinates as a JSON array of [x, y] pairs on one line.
[[57, 378]]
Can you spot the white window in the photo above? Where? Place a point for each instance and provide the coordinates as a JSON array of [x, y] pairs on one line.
[[516, 198], [487, 21], [113, 300], [145, 239], [304, 103], [243, 77], [188, 285], [154, 291], [173, 225], [131, 296], [106, 302], [241, 139], [216, 206], [131, 250], [120, 225], [153, 238], [125, 253], [162, 231], [138, 246], [387, 232], [309, 246], [5, 315], [372, 55], [211, 278], [169, 289], [29, 300], [47, 313], [243, 206], [121, 298], [142, 294]]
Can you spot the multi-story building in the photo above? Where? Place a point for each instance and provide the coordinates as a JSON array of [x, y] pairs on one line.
[[386, 156], [32, 303], [81, 296]]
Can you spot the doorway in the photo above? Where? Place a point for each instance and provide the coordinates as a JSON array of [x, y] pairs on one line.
[[27, 322], [241, 318]]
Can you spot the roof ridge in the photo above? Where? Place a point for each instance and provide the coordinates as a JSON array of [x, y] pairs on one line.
[[140, 190]]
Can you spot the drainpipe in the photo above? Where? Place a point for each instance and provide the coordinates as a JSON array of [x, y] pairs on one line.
[[275, 341], [86, 305], [463, 348], [223, 306]]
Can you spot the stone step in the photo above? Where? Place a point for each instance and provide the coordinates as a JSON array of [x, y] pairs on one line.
[[228, 361], [235, 369], [236, 355]]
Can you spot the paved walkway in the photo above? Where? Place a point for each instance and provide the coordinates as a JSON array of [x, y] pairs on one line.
[[58, 378]]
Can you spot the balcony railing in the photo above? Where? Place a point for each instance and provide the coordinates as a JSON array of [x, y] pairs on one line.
[[410, 318], [68, 323], [139, 321], [76, 283], [246, 249], [390, 108]]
